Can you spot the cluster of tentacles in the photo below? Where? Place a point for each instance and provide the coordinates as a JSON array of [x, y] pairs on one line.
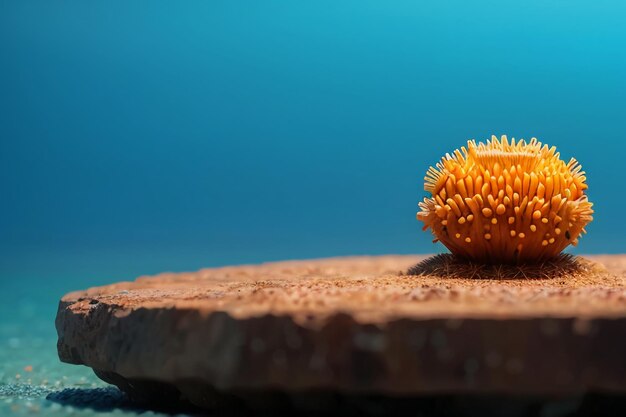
[[506, 202]]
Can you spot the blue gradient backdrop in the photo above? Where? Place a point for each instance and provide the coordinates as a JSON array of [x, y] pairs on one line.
[[137, 137]]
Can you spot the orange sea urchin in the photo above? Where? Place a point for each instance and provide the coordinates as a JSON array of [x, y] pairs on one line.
[[506, 202]]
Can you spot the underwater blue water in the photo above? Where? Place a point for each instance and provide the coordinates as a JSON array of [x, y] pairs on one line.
[[137, 137]]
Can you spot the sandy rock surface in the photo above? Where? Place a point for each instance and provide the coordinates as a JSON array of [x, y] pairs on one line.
[[351, 325]]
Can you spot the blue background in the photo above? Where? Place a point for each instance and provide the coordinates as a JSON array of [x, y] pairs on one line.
[[148, 136]]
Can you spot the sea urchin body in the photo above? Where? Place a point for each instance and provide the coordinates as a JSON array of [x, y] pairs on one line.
[[506, 202]]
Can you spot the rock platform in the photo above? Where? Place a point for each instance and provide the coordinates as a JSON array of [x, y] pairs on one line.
[[352, 326]]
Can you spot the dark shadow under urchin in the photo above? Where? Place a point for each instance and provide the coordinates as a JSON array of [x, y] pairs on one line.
[[447, 265]]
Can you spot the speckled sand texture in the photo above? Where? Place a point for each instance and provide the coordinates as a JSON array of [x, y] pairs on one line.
[[351, 325]]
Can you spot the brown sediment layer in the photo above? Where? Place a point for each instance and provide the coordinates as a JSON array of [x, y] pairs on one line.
[[358, 325]]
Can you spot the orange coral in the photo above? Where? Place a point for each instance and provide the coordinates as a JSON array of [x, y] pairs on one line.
[[506, 202]]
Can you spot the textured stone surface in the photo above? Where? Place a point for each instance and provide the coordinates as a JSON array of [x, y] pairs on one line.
[[353, 326]]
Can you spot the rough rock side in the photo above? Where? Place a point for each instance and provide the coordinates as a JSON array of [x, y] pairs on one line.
[[351, 325]]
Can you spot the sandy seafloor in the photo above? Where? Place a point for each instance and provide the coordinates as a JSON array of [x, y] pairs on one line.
[[33, 382]]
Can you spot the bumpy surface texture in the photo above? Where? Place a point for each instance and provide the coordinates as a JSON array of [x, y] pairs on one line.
[[504, 201], [350, 325]]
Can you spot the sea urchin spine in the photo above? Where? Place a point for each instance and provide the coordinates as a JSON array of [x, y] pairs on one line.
[[504, 202]]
